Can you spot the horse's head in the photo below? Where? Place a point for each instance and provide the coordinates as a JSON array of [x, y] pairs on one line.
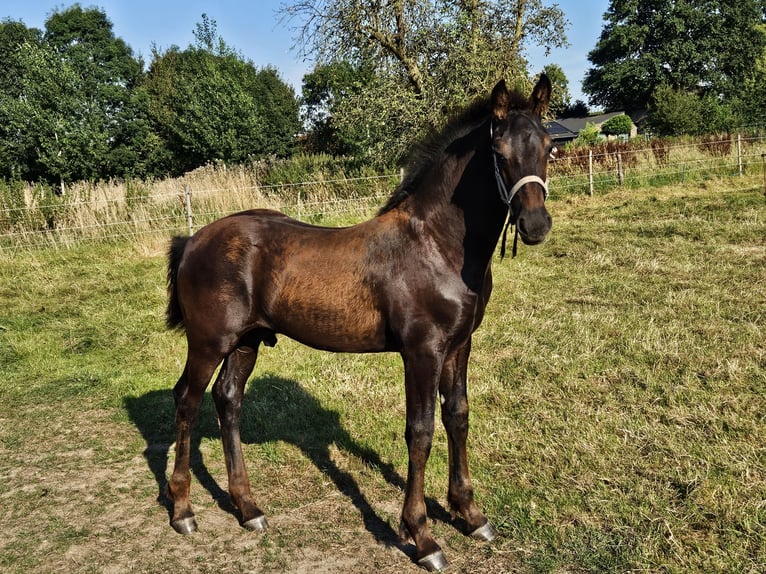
[[521, 148]]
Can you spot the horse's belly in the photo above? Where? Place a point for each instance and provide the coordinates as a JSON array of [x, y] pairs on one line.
[[342, 328], [334, 314]]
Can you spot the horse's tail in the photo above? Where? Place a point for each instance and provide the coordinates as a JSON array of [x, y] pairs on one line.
[[174, 317]]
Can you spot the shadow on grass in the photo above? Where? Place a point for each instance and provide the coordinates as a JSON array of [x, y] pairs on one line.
[[274, 409]]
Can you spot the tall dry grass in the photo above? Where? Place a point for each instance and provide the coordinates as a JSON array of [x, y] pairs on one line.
[[36, 214], [320, 189]]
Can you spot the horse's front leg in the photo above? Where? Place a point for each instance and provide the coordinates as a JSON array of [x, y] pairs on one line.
[[421, 376], [452, 388], [228, 392]]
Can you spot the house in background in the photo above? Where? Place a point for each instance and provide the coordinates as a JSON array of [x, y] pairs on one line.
[[564, 130]]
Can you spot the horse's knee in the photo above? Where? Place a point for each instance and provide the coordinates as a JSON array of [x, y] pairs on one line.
[[419, 435], [455, 417]]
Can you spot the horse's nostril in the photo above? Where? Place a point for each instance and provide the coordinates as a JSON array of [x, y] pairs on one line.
[[521, 224]]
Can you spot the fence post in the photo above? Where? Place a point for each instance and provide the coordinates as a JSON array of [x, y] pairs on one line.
[[300, 205], [620, 174], [188, 209], [763, 162], [590, 172], [739, 154]]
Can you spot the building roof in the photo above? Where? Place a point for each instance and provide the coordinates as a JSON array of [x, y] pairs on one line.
[[577, 124], [558, 131], [569, 128]]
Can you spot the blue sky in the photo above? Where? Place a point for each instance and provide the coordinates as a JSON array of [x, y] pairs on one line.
[[253, 28]]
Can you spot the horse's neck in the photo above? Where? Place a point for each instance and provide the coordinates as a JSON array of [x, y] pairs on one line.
[[464, 212], [477, 198]]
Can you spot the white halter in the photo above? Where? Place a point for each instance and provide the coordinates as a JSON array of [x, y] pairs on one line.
[[505, 195]]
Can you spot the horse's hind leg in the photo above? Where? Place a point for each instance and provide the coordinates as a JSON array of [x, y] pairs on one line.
[[452, 388], [188, 394], [228, 392]]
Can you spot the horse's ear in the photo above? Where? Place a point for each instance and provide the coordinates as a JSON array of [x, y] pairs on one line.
[[541, 95], [501, 98]]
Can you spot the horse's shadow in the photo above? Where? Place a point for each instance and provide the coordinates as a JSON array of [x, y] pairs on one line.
[[274, 409]]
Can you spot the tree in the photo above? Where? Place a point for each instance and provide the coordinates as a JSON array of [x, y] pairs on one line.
[[588, 136], [694, 46], [214, 106], [106, 74], [40, 137], [560, 97], [66, 99], [674, 112], [617, 126], [279, 111], [15, 147], [323, 91], [577, 110], [13, 35], [428, 57]]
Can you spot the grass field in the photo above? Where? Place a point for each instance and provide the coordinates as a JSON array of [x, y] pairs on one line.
[[618, 418]]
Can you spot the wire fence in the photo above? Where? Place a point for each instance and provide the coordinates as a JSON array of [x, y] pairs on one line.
[[34, 216]]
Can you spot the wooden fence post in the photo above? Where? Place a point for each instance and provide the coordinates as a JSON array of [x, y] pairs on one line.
[[188, 209], [763, 161], [299, 206], [620, 174], [739, 154], [590, 172]]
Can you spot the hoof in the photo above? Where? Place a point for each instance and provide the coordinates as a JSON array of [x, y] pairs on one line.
[[185, 525], [434, 562], [257, 524], [485, 533]]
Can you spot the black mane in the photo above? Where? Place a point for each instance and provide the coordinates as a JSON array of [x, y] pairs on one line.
[[433, 147]]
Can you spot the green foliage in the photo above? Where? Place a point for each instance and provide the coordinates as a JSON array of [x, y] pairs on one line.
[[324, 90], [588, 136], [321, 168], [12, 204], [106, 73], [217, 107], [76, 105], [48, 124], [429, 59], [693, 46], [579, 109], [382, 123], [673, 112], [279, 111], [206, 37], [65, 114], [13, 35], [560, 96], [618, 125]]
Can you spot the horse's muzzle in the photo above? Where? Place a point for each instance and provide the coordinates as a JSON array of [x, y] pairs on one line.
[[533, 226]]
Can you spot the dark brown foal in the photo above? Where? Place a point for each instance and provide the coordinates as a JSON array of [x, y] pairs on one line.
[[414, 280]]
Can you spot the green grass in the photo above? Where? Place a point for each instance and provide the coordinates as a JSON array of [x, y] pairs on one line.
[[618, 418]]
